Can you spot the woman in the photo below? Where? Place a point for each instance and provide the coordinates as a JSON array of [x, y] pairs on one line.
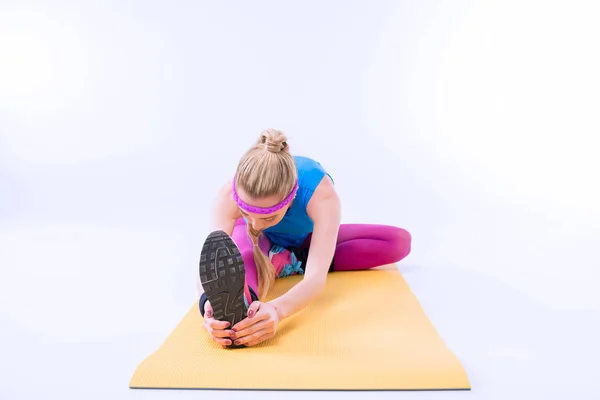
[[279, 216]]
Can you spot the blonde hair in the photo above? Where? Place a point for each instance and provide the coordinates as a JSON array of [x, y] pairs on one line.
[[267, 169]]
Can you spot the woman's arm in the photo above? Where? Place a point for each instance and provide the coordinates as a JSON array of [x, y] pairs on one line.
[[224, 211], [324, 209]]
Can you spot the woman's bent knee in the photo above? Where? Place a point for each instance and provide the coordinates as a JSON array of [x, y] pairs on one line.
[[401, 244]]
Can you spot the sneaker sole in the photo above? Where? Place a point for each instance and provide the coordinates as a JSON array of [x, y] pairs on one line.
[[222, 274]]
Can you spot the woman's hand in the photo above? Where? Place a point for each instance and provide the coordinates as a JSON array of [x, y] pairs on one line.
[[216, 329], [260, 325]]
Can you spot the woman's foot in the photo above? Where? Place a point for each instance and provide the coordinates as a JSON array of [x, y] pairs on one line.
[[223, 275]]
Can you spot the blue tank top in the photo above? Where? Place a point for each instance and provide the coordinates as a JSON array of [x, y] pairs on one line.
[[295, 226]]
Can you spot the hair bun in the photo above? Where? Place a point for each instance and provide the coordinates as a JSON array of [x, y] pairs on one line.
[[273, 140]]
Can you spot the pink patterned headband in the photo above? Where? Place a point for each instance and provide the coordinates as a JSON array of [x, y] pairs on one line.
[[263, 210]]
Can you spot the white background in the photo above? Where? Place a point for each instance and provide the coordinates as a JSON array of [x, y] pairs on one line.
[[474, 125]]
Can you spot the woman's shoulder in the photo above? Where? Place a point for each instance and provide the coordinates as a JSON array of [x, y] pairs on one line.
[[306, 162], [309, 168], [313, 180]]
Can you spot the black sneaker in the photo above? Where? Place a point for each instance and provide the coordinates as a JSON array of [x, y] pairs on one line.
[[223, 276]]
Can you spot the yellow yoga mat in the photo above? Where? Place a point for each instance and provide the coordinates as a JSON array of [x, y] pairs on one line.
[[366, 331]]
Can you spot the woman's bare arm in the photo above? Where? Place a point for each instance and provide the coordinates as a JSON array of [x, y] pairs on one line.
[[324, 209], [224, 211]]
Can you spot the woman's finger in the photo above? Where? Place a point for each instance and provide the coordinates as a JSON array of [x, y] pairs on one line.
[[249, 321], [219, 336], [215, 324], [222, 341], [208, 311], [217, 328], [250, 330], [261, 339], [220, 333], [253, 309], [250, 338]]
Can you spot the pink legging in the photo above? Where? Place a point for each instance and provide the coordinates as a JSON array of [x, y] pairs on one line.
[[359, 246]]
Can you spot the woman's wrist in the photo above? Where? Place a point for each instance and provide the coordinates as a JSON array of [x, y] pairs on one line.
[[296, 298], [278, 310]]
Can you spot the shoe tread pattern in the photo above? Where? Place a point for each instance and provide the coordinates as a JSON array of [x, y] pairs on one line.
[[222, 275]]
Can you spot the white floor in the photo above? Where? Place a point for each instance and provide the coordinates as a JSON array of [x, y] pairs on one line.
[[473, 124], [82, 305]]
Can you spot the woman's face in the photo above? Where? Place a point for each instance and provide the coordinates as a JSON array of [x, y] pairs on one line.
[[260, 222]]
